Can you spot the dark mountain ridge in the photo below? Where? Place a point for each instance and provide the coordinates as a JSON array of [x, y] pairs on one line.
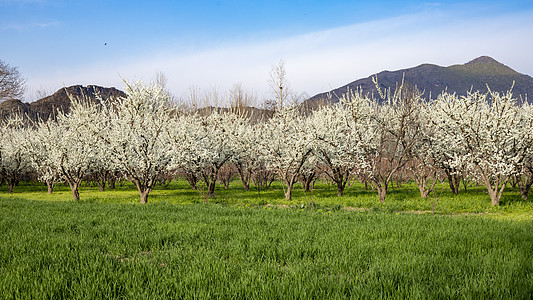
[[434, 79], [48, 106]]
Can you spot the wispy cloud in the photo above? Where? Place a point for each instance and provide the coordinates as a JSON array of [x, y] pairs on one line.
[[326, 59], [31, 26], [48, 24]]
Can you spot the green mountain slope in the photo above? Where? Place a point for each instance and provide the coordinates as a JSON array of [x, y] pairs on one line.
[[433, 79]]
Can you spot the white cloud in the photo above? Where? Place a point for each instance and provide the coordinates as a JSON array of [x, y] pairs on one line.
[[48, 24], [319, 61], [30, 26]]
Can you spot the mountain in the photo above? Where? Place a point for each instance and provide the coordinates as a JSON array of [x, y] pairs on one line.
[[48, 106], [433, 79]]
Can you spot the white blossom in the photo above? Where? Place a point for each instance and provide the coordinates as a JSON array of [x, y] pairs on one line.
[[489, 133], [286, 144]]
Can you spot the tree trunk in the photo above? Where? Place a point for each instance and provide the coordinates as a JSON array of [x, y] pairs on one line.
[[290, 183], [211, 189], [244, 176], [495, 189], [144, 196], [381, 187], [111, 182], [422, 183], [454, 182], [10, 187], [307, 181], [399, 183], [524, 185], [340, 188], [74, 187], [192, 179], [514, 181], [101, 185], [50, 185], [268, 181], [382, 193], [75, 194], [143, 193], [524, 191], [245, 183], [210, 179], [494, 198], [425, 192], [11, 182], [144, 189], [341, 179], [288, 192]]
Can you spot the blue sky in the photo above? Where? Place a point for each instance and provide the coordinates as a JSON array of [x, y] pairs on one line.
[[214, 44]]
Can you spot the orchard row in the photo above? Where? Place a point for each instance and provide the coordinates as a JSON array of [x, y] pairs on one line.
[[484, 137]]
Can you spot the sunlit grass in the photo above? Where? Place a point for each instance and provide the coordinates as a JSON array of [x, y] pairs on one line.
[[405, 199], [255, 244], [61, 249]]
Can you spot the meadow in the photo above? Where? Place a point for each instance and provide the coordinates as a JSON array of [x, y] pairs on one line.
[[255, 244]]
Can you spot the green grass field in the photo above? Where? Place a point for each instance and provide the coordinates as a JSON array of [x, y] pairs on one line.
[[256, 245]]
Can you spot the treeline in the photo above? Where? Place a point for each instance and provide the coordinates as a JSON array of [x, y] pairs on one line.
[[142, 137]]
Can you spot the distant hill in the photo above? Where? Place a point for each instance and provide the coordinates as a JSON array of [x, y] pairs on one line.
[[47, 107], [434, 79]]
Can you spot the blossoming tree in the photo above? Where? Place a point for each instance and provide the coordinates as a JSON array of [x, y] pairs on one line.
[[136, 135], [335, 146], [495, 131], [286, 144], [14, 160], [66, 146], [201, 145]]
